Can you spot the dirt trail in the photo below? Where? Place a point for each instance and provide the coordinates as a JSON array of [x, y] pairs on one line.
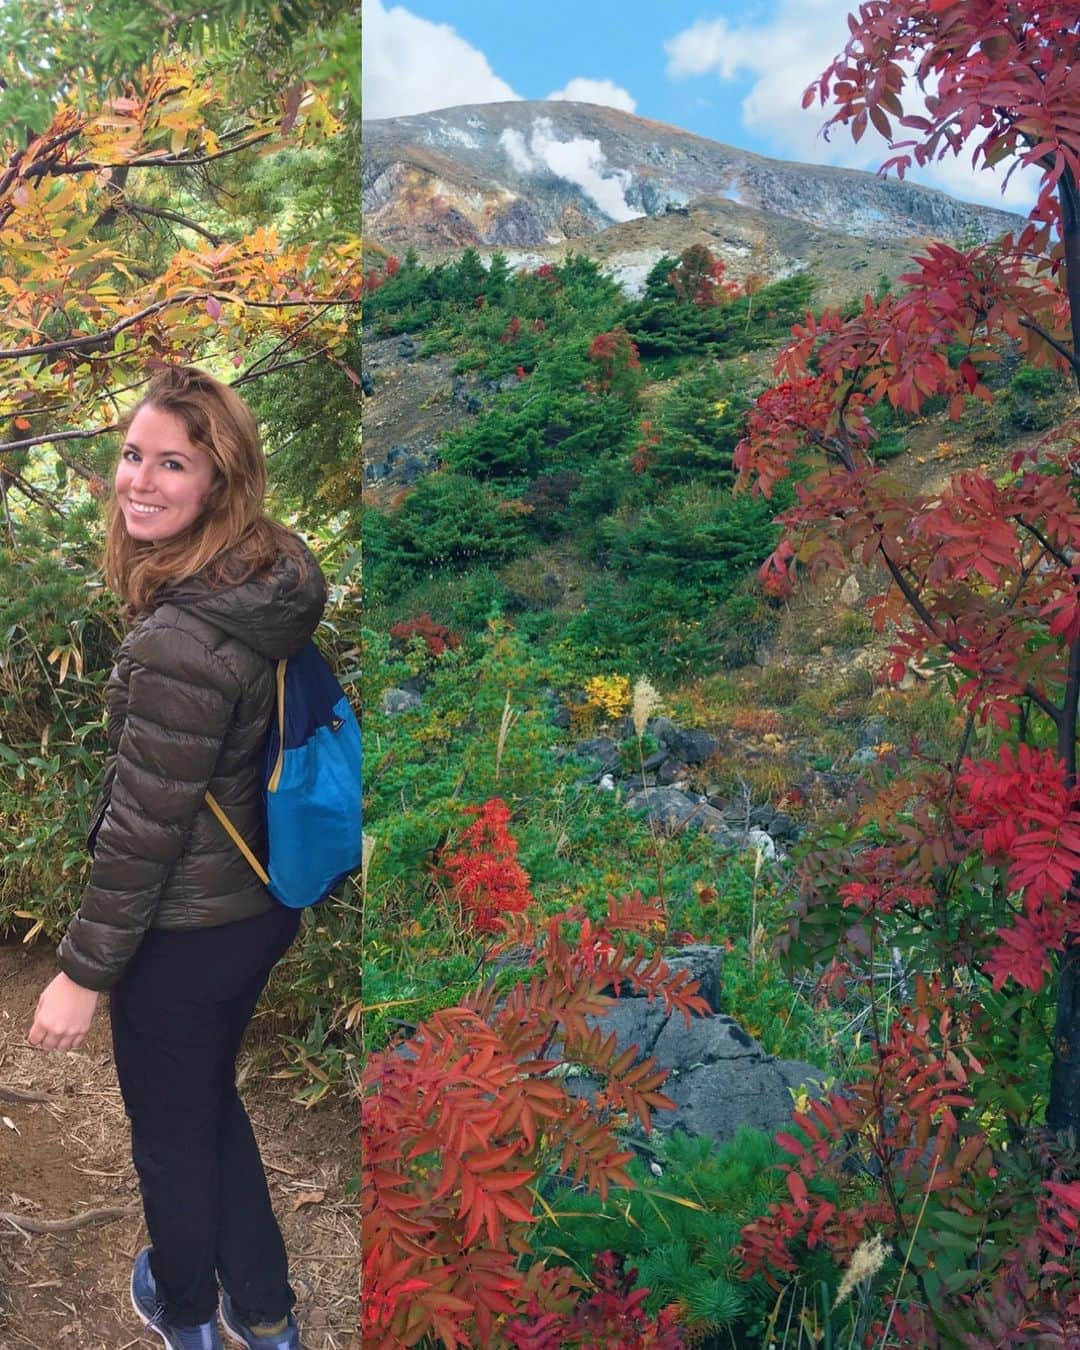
[[70, 1153]]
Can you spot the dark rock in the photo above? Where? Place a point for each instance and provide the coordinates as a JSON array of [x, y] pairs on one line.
[[694, 746], [367, 383], [675, 810], [705, 964], [602, 751], [375, 473], [661, 728], [654, 760], [671, 771], [407, 347], [783, 829], [413, 469], [777, 824]]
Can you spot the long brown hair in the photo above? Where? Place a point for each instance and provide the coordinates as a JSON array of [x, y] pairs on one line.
[[232, 539]]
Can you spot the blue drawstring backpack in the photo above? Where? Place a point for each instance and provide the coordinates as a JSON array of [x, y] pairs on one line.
[[312, 786]]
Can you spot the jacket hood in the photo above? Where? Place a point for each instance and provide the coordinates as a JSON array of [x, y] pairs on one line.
[[274, 614]]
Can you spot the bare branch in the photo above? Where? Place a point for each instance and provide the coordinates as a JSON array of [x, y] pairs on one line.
[[1059, 347], [1067, 563], [254, 374], [160, 213], [9, 479], [28, 441]]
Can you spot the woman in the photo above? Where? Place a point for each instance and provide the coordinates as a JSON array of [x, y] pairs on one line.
[[173, 922]]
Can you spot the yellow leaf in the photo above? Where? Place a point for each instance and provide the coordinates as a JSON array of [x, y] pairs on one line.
[[33, 932]]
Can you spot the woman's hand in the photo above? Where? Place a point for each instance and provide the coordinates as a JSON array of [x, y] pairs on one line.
[[63, 1016]]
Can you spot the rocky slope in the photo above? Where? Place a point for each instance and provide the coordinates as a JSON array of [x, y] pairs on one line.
[[526, 175]]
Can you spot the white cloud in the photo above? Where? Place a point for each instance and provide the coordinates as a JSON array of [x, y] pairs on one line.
[[579, 160], [788, 53], [605, 92], [412, 65]]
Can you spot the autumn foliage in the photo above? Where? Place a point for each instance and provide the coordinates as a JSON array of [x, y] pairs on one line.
[[699, 279], [466, 1130], [91, 299], [981, 577], [616, 356], [483, 874], [436, 637], [970, 864]]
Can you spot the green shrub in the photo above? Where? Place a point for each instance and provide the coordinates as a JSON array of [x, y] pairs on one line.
[[550, 423], [681, 1228], [448, 523]]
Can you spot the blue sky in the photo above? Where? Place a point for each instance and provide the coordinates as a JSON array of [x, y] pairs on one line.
[[732, 71]]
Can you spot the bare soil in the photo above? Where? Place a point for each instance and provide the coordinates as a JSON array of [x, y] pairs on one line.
[[69, 1154]]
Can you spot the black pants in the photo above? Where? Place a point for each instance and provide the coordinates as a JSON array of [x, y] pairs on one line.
[[178, 1016]]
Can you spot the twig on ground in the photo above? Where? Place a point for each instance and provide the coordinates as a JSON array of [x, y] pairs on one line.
[[10, 1094], [24, 1223]]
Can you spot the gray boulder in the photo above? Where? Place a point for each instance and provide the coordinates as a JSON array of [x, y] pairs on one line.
[[601, 751], [692, 745], [719, 1077], [397, 701], [675, 810]]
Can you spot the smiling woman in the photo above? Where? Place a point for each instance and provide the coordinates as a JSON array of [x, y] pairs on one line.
[[173, 923], [162, 478]]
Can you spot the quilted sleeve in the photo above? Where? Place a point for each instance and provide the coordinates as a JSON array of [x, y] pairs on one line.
[[181, 698]]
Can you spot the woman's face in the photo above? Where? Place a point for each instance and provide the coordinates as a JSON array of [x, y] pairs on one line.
[[162, 479]]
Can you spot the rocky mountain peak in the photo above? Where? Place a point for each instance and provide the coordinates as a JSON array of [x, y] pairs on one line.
[[530, 174]]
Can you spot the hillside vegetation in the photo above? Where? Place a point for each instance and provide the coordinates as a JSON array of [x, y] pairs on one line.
[[582, 533]]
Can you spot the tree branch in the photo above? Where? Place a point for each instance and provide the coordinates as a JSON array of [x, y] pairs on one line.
[[254, 374], [98, 341], [927, 618], [161, 213], [1059, 347], [53, 169], [1047, 545], [28, 441], [95, 340], [10, 479], [285, 342]]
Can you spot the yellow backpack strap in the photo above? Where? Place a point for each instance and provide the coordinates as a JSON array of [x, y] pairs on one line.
[[215, 805], [234, 835], [275, 776]]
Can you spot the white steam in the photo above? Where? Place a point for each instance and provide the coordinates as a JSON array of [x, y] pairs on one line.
[[579, 161]]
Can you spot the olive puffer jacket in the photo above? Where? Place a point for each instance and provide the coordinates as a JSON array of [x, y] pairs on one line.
[[189, 702]]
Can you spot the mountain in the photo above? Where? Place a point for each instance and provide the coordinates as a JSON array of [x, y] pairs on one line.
[[528, 175]]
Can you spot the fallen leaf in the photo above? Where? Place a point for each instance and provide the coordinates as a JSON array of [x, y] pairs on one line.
[[308, 1198]]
